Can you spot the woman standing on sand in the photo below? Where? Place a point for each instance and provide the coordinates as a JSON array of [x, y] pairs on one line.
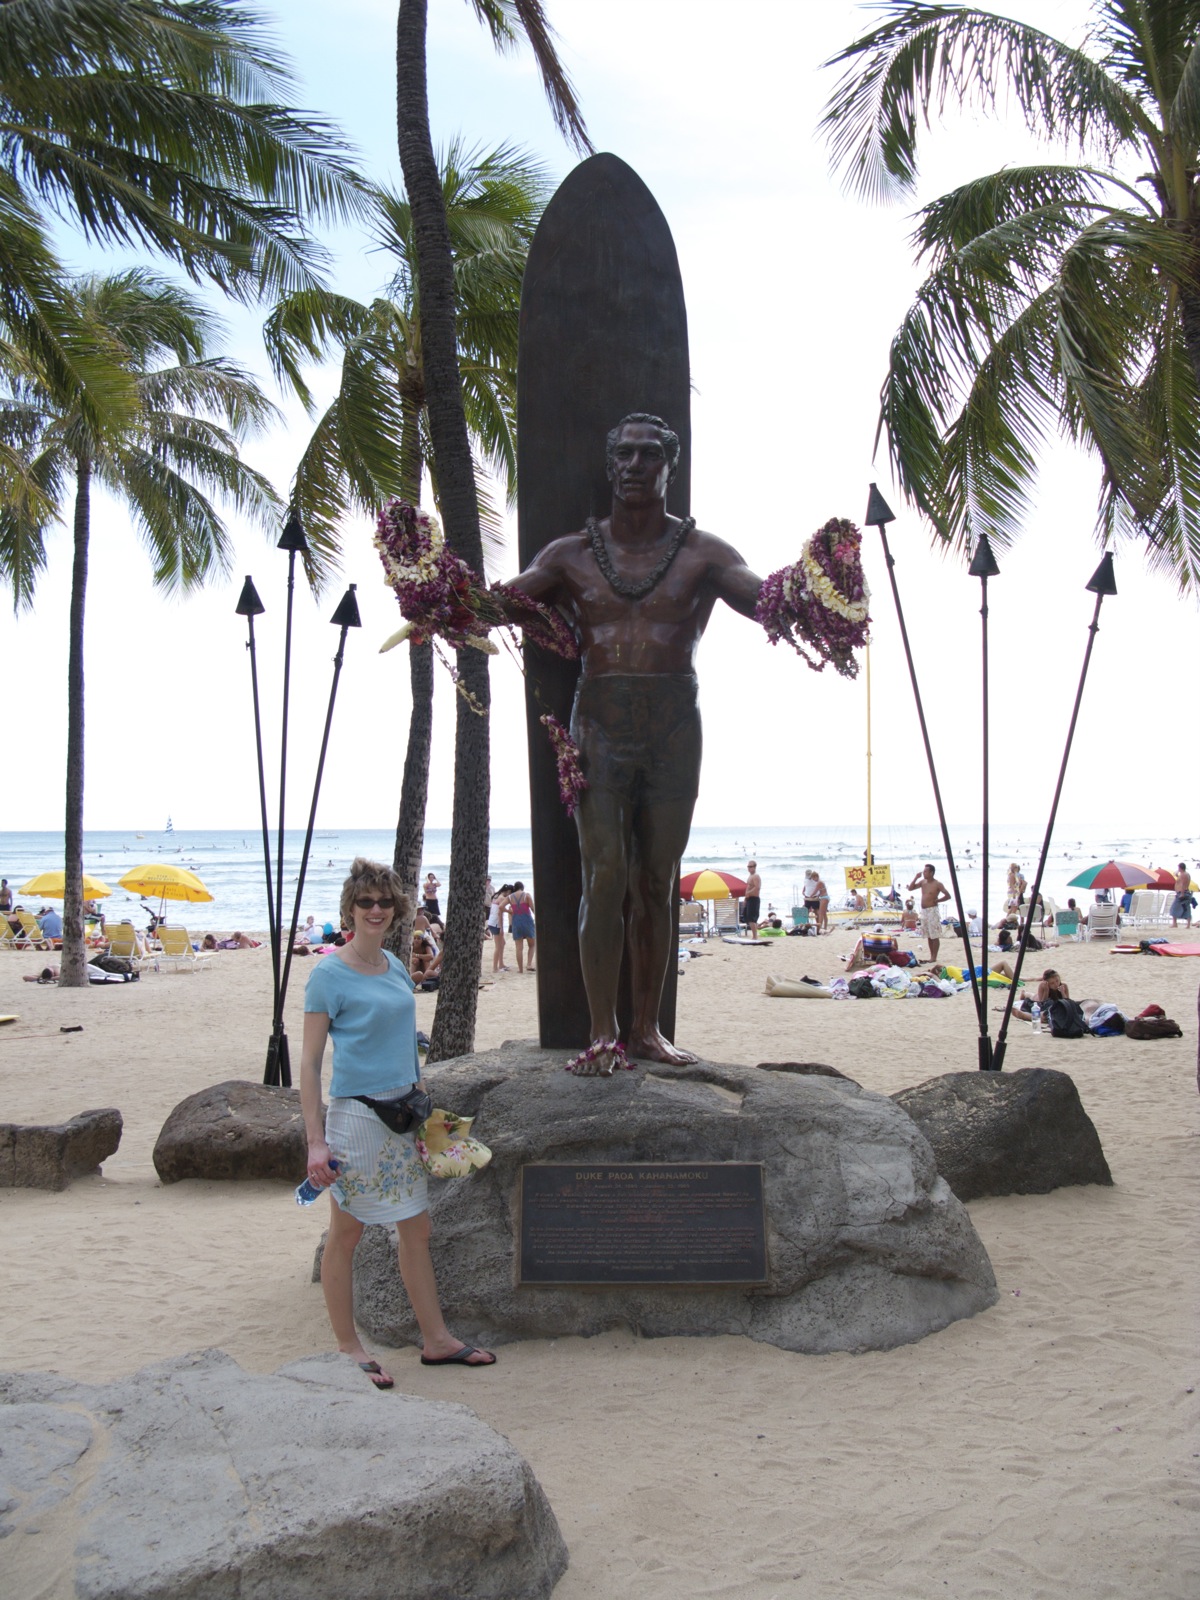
[[520, 910], [362, 998], [495, 924], [1181, 906]]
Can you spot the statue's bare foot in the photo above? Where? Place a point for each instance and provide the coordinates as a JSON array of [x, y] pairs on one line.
[[653, 1047], [599, 1060]]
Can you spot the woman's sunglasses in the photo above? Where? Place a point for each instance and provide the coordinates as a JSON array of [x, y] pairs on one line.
[[364, 903]]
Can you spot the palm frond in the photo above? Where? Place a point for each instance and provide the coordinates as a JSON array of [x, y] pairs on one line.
[[1184, 118], [162, 124], [506, 20], [924, 57]]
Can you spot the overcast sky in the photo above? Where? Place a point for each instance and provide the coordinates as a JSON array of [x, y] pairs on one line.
[[794, 290]]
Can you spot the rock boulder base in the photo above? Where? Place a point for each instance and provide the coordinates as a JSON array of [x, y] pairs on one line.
[[194, 1480], [49, 1156], [234, 1130], [996, 1133], [867, 1247]]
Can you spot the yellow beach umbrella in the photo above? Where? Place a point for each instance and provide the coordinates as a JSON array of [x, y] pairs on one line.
[[165, 881], [49, 886]]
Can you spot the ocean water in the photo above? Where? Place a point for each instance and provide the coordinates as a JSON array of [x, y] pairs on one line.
[[230, 864]]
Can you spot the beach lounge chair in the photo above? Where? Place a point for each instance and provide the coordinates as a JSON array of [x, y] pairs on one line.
[[1066, 924], [177, 949], [30, 933], [1102, 922], [10, 938], [726, 919], [799, 916], [122, 941], [691, 919]]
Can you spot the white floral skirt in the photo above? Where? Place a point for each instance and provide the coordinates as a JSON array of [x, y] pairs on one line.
[[381, 1177]]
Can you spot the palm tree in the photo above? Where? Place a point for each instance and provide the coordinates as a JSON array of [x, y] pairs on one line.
[[163, 457], [372, 441], [454, 1025], [158, 123], [1061, 298]]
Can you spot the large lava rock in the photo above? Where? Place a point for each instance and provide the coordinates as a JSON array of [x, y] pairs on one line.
[[999, 1133], [867, 1246], [234, 1130], [194, 1480], [49, 1155]]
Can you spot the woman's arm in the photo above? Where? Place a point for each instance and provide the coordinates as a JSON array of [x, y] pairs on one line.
[[316, 1031]]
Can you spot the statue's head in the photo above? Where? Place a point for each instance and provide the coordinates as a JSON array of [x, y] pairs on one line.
[[639, 424]]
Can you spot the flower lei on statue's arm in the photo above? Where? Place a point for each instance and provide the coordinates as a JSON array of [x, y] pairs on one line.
[[822, 601], [444, 601]]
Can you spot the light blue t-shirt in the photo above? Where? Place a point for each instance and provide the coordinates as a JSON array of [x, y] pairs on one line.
[[372, 1023]]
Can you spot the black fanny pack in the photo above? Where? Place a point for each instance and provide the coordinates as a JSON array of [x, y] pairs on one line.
[[401, 1115]]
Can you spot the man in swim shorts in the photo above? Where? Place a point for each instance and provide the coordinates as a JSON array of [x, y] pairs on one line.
[[753, 901], [639, 586], [932, 895]]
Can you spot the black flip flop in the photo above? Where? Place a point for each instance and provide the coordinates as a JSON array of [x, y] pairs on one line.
[[371, 1368], [460, 1358]]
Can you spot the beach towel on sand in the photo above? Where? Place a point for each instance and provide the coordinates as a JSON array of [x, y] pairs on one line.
[[797, 989]]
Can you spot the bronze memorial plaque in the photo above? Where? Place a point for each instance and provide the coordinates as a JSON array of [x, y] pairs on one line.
[[664, 1222]]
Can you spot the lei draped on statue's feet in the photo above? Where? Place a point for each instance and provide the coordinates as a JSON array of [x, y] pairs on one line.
[[600, 1059]]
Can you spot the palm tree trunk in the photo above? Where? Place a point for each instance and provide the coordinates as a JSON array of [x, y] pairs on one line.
[[414, 793], [414, 789], [73, 967], [454, 1025]]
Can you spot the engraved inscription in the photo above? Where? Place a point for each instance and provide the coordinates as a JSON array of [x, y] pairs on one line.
[[642, 1223]]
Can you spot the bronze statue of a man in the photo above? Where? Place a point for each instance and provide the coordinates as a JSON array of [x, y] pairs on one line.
[[640, 586]]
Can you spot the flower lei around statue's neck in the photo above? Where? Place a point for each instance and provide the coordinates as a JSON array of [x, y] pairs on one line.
[[822, 601], [444, 602]]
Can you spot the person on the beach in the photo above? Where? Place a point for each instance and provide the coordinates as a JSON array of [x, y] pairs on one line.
[[811, 897], [429, 897], [1051, 987], [639, 587], [1011, 891], [908, 918], [495, 922], [932, 895], [753, 901], [5, 895], [520, 925], [361, 997], [1181, 906]]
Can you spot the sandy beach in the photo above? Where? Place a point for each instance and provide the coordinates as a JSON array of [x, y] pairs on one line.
[[1044, 1448]]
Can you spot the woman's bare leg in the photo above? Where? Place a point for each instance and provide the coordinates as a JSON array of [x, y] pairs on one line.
[[519, 946], [337, 1282], [416, 1268]]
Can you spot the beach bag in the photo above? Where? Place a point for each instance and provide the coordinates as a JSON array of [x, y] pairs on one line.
[[862, 989], [932, 991], [1106, 1022], [1152, 1028], [1066, 1019], [401, 1115], [446, 1148]]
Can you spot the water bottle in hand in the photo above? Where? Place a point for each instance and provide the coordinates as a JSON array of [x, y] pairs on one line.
[[1035, 1017], [308, 1191]]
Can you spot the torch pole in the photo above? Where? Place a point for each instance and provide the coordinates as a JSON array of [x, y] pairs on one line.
[[1102, 583]]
